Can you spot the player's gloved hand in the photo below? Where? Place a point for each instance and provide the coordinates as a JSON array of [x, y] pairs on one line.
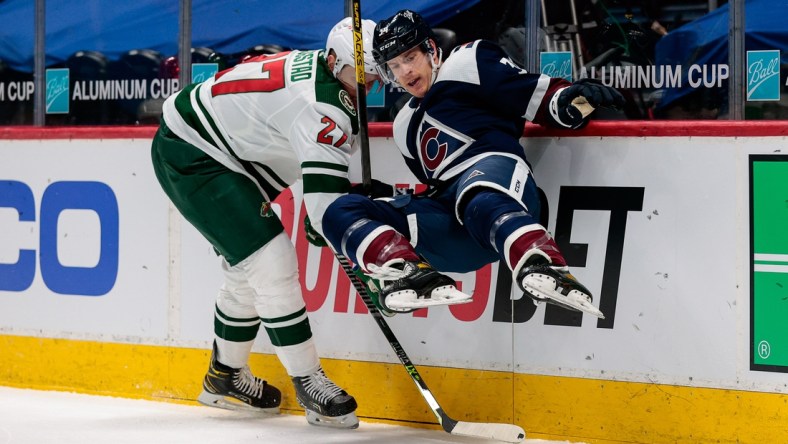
[[312, 235], [376, 189], [576, 102]]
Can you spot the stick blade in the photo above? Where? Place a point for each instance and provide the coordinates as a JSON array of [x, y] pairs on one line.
[[496, 431]]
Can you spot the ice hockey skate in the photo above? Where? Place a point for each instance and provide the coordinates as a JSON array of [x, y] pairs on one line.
[[325, 403], [409, 285], [373, 290], [237, 389], [555, 285]]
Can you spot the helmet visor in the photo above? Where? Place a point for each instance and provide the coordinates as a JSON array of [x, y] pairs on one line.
[[386, 74]]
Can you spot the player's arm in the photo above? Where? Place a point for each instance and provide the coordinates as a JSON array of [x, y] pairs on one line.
[[503, 86], [536, 97], [570, 106], [322, 141]]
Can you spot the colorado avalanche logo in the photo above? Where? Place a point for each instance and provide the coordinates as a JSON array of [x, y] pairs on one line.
[[431, 149], [438, 143]]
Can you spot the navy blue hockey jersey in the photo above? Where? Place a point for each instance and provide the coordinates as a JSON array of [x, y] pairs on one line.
[[477, 107]]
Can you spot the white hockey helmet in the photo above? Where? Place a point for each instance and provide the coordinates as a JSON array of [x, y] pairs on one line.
[[341, 41]]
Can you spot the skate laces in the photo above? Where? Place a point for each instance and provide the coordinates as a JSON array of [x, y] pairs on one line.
[[394, 270], [319, 387], [249, 384]]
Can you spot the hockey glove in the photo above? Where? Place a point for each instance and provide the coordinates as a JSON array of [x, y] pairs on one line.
[[377, 189], [312, 235], [576, 102]]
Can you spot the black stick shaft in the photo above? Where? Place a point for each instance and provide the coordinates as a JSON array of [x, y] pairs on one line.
[[445, 421], [361, 97]]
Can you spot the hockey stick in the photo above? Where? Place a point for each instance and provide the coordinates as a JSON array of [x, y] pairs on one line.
[[497, 431], [361, 97], [489, 430]]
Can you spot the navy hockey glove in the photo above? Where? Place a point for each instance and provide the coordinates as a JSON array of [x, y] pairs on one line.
[[576, 102], [377, 189], [312, 235]]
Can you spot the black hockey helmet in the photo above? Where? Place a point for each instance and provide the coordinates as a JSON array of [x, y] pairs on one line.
[[402, 32]]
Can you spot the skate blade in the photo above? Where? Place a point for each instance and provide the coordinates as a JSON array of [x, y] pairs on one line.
[[230, 403], [349, 421], [408, 300], [573, 301]]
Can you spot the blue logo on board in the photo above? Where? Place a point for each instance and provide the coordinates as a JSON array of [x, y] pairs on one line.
[[763, 75], [57, 91], [556, 64], [203, 71]]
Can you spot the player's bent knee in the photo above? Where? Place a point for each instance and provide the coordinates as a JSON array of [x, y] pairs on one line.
[[342, 213], [355, 203], [488, 203]]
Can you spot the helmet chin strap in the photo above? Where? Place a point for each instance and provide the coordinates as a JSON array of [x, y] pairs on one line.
[[435, 66]]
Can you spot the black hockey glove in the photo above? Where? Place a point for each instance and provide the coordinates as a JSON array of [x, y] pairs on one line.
[[575, 103], [377, 189], [312, 235]]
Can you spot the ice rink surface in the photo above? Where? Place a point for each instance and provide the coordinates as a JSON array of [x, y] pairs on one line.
[[46, 417]]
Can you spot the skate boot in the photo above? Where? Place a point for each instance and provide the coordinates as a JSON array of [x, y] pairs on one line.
[[555, 285], [237, 389], [325, 403], [408, 285], [373, 290]]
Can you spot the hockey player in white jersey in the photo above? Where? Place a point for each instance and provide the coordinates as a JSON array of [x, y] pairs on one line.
[[460, 134], [224, 150]]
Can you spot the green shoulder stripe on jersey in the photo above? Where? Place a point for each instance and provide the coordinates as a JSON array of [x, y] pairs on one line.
[[183, 105], [324, 183], [215, 129], [329, 90], [326, 165]]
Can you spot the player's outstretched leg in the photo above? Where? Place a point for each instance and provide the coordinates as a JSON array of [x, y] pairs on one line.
[[237, 389], [325, 403], [554, 284], [408, 285]]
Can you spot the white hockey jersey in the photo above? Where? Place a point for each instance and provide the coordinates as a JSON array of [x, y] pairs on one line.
[[276, 119]]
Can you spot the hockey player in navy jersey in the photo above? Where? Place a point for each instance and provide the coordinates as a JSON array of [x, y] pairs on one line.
[[460, 135], [225, 149]]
